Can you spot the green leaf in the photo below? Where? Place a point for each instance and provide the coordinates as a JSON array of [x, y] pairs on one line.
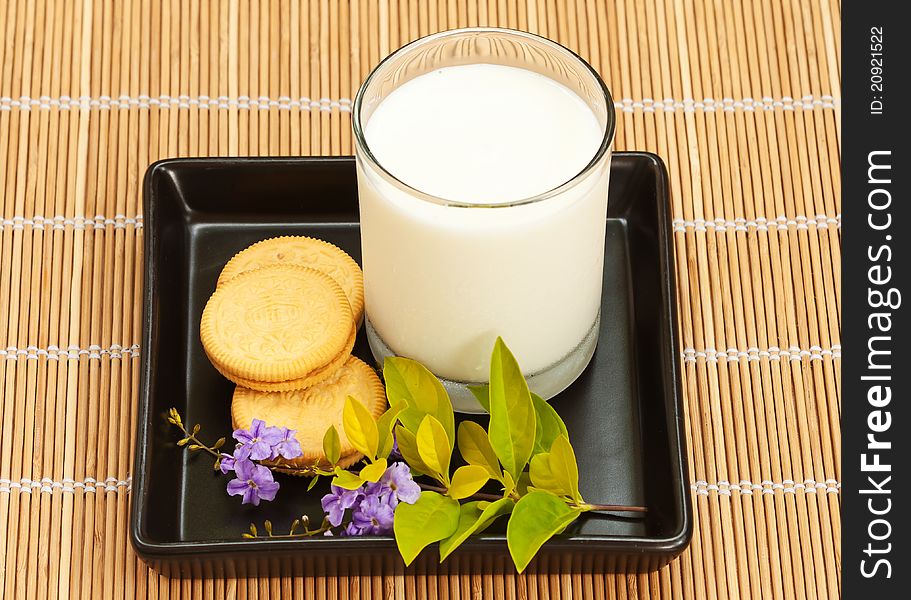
[[360, 427], [548, 424], [474, 517], [467, 480], [409, 382], [313, 481], [536, 518], [432, 518], [384, 426], [556, 471], [410, 417], [482, 395], [408, 447], [434, 448], [542, 475], [512, 414], [346, 479], [563, 457], [374, 471], [474, 446], [332, 447]]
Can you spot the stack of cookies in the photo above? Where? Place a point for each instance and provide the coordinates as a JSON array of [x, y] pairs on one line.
[[281, 325]]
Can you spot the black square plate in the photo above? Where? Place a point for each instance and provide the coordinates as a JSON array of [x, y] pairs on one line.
[[624, 413]]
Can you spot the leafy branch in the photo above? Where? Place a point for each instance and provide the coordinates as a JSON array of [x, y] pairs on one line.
[[525, 449]]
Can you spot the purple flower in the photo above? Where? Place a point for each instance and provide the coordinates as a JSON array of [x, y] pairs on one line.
[[373, 516], [254, 482], [257, 443], [226, 463], [338, 501], [398, 479], [373, 504], [287, 447], [381, 492]]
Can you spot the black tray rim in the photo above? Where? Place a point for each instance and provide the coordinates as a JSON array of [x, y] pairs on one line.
[[151, 550]]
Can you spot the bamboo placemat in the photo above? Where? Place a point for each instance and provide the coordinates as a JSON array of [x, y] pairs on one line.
[[741, 99]]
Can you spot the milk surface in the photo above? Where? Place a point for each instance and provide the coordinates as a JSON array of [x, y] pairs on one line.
[[442, 282], [483, 133]]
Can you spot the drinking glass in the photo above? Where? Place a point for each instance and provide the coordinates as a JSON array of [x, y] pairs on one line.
[[444, 278]]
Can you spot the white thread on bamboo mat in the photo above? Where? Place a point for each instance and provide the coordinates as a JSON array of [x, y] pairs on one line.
[[113, 484], [807, 102], [759, 224], [93, 352], [738, 224], [772, 353], [167, 102], [80, 222], [787, 486], [727, 104], [47, 485]]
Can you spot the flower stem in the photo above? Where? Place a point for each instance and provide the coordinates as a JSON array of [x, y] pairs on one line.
[[304, 471], [303, 534], [613, 508], [442, 490], [192, 437], [326, 526], [586, 506]]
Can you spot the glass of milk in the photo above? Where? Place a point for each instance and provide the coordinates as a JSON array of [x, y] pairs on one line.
[[483, 158]]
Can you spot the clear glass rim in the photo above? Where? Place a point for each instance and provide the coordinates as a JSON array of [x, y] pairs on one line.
[[366, 154]]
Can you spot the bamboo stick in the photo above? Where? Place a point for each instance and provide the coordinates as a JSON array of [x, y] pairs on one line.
[[20, 328], [223, 22], [39, 313], [243, 80], [332, 20], [305, 81], [274, 144], [62, 274], [297, 60], [25, 374], [284, 83], [314, 93], [55, 80], [69, 549], [259, 44], [9, 281]]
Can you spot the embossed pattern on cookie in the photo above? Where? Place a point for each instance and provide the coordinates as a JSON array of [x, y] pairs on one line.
[[304, 251], [276, 323], [312, 378]]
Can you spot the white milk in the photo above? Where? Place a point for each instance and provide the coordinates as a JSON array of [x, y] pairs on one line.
[[442, 282]]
